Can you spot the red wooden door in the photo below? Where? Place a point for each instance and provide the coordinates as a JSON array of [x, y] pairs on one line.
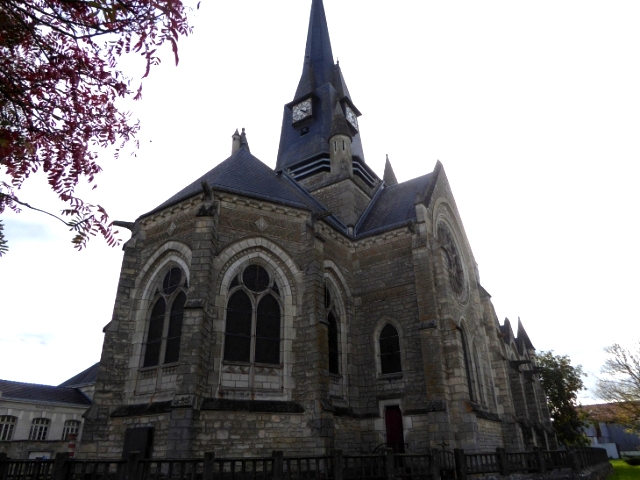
[[393, 423]]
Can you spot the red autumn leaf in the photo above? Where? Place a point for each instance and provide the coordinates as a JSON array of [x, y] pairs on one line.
[[59, 79]]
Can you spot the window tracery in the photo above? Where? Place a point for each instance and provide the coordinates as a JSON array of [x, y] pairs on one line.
[[164, 330], [252, 332], [453, 259]]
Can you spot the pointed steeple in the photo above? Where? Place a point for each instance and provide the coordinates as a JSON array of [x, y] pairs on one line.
[[389, 176], [318, 52], [243, 141], [307, 82], [523, 337], [339, 124], [339, 83], [308, 120]]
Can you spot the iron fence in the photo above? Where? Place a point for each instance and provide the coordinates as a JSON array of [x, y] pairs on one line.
[[435, 465]]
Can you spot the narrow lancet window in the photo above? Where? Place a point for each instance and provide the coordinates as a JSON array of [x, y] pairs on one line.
[[390, 361]]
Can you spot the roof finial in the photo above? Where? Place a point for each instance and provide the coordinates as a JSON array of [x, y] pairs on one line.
[[339, 123], [389, 176], [236, 142], [243, 141]]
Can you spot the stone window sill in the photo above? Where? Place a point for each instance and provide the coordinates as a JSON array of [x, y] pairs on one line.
[[390, 376], [248, 364], [158, 367]]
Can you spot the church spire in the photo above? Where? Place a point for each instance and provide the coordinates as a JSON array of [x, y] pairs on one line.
[[318, 64], [308, 119], [307, 83]]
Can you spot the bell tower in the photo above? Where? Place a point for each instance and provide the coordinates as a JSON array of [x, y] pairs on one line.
[[320, 144]]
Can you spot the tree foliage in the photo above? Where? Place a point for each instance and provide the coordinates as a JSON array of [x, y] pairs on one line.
[[59, 81], [562, 382], [622, 385]]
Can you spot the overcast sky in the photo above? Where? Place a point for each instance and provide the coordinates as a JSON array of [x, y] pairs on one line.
[[532, 107]]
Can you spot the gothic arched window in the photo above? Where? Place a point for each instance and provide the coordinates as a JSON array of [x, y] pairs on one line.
[[165, 322], [252, 332], [479, 376], [390, 361], [333, 333], [471, 380]]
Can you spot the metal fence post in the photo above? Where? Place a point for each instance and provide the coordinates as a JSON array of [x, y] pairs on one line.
[[389, 464], [461, 464], [61, 466], [573, 460], [132, 465], [278, 461], [338, 465], [542, 467], [209, 465], [434, 464], [4, 465], [503, 461]]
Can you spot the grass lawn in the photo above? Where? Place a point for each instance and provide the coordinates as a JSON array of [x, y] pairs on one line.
[[622, 471]]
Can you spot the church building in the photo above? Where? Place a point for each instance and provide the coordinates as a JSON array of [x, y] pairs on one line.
[[310, 307]]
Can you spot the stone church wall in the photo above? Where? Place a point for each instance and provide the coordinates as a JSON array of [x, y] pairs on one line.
[[378, 282], [489, 435], [254, 434]]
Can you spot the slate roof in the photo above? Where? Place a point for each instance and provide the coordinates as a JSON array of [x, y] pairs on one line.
[[242, 173], [42, 393], [86, 377], [393, 206]]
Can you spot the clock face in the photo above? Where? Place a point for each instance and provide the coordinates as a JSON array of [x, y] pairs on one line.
[[302, 110], [352, 118], [453, 261]]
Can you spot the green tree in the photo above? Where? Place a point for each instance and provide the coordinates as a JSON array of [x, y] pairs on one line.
[[562, 382], [622, 385]]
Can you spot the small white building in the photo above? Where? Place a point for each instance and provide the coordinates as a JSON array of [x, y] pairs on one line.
[[604, 432], [38, 421]]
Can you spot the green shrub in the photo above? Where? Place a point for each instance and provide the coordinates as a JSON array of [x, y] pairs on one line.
[[632, 460]]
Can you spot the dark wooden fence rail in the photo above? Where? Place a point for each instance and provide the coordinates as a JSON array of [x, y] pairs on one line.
[[307, 468], [363, 467], [435, 465], [482, 463]]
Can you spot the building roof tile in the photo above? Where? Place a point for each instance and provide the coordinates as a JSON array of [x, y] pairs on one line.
[[242, 173], [86, 377], [42, 393], [393, 206]]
